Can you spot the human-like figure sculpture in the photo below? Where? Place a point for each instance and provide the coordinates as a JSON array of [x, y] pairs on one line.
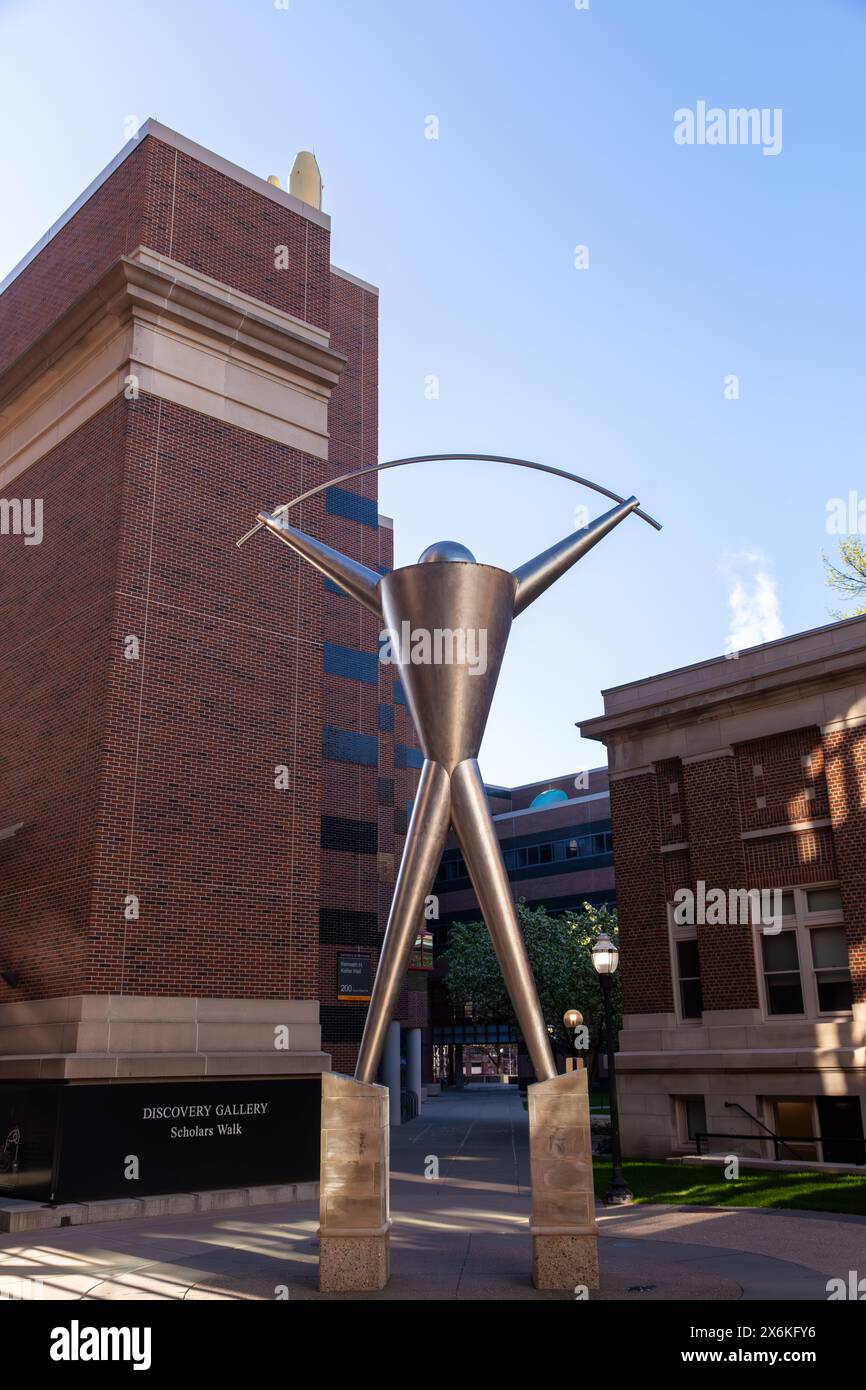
[[449, 593]]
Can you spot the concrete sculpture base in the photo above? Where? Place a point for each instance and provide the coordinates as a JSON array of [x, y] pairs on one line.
[[563, 1225], [354, 1213]]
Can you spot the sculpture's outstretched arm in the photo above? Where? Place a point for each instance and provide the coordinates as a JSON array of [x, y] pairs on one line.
[[538, 574], [356, 579]]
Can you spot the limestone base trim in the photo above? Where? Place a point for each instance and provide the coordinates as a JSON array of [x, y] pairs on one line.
[[651, 1119], [18, 1215], [94, 1037]]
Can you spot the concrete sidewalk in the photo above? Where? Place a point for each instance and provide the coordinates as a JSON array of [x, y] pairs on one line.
[[461, 1235]]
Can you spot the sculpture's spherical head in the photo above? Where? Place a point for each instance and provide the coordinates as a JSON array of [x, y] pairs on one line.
[[446, 550]]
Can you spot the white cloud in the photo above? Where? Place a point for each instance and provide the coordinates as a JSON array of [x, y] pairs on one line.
[[754, 614]]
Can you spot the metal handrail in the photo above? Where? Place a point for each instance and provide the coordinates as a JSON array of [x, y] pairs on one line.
[[787, 1140], [776, 1138], [735, 1105]]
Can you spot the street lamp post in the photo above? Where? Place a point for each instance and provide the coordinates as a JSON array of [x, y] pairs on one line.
[[605, 958]]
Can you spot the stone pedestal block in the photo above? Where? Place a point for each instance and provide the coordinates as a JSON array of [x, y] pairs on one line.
[[354, 1212], [563, 1225]]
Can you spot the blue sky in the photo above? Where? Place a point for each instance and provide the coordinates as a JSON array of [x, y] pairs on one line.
[[555, 130]]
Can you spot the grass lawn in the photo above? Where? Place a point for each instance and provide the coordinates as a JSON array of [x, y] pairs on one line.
[[755, 1187]]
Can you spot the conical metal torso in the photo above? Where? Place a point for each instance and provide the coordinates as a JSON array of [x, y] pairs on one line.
[[449, 623]]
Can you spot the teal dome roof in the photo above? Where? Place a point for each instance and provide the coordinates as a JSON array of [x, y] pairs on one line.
[[548, 798]]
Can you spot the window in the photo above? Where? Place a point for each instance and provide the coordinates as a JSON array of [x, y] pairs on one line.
[[455, 868], [350, 663], [352, 506], [805, 967], [346, 746], [557, 851], [692, 1117], [685, 967], [841, 1128], [795, 1122], [823, 900], [782, 973], [820, 1129], [350, 836], [407, 757], [689, 970], [832, 976]]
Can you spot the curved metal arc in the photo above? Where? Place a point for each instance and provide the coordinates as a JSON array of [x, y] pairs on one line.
[[443, 458]]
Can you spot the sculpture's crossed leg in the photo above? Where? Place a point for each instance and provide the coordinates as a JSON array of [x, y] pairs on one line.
[[459, 800]]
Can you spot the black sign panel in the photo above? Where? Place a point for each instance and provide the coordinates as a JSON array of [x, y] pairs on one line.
[[354, 977], [29, 1124], [125, 1140]]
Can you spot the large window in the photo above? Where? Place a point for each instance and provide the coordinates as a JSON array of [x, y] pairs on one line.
[[805, 965], [559, 851]]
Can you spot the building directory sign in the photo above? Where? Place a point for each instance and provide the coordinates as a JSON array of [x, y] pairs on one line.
[[354, 978]]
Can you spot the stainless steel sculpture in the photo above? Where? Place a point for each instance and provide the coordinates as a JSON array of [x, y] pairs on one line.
[[449, 592]]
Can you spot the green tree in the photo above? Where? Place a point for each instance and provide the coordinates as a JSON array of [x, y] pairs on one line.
[[560, 954], [848, 577]]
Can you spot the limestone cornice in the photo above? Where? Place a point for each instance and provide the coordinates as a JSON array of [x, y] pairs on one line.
[[816, 679], [184, 337]]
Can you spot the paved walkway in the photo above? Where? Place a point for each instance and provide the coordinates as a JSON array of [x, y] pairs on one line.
[[463, 1235]]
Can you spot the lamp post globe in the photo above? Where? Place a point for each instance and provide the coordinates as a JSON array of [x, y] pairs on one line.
[[605, 956]]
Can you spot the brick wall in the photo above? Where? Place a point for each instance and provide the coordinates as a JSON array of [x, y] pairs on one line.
[[845, 753], [781, 779], [640, 894], [162, 198], [718, 858], [56, 618], [155, 777]]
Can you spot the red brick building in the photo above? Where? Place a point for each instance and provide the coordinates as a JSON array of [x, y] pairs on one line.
[[731, 779], [205, 769]]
